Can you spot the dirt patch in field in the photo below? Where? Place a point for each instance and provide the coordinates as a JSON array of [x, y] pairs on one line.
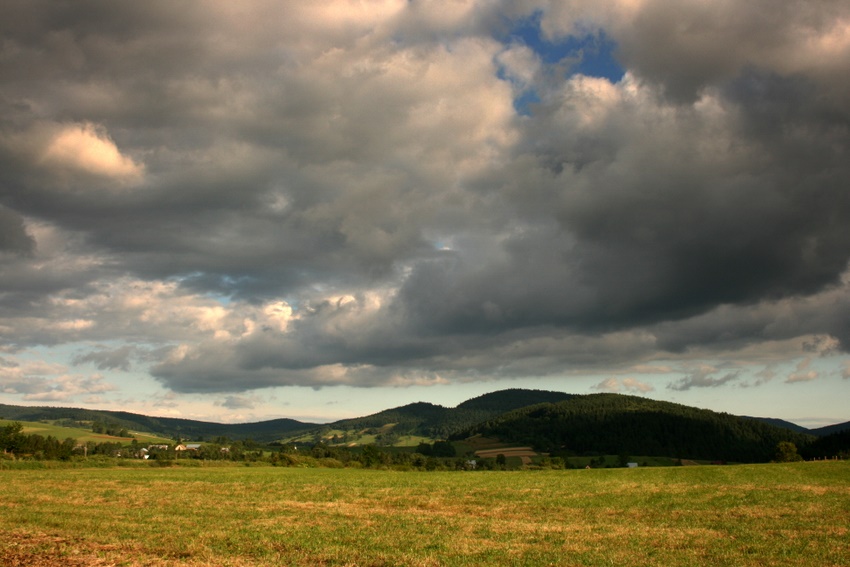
[[21, 549], [40, 550]]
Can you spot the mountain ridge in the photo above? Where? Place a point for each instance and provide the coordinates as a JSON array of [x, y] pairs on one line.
[[418, 418], [623, 424]]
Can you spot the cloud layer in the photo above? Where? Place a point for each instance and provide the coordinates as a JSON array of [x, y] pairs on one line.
[[236, 196]]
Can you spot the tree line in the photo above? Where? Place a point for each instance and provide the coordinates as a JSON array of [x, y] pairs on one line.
[[14, 442]]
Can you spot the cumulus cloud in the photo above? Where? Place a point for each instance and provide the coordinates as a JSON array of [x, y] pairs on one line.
[[85, 148], [691, 45], [627, 385], [40, 381], [67, 388], [107, 359], [804, 372], [335, 194]]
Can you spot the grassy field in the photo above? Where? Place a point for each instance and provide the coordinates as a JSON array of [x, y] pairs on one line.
[[778, 514]]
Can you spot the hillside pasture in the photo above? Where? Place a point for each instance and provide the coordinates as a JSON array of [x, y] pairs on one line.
[[80, 435], [357, 437], [765, 515]]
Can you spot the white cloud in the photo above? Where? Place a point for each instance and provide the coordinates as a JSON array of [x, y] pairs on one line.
[[610, 385], [633, 385], [627, 385], [87, 148], [41, 381]]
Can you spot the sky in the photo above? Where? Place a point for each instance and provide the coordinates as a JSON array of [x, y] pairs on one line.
[[239, 211]]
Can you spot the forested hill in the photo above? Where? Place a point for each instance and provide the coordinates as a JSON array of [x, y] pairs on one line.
[[417, 418], [618, 424], [831, 429], [785, 424], [430, 420], [514, 398]]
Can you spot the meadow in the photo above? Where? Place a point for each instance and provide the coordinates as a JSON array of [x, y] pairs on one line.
[[773, 514]]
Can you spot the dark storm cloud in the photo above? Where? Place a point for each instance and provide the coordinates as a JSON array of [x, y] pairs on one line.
[[692, 45], [14, 238], [264, 160], [683, 211], [170, 172]]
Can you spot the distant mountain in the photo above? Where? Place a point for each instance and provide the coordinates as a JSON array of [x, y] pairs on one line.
[[784, 424], [830, 429], [171, 427], [619, 424]]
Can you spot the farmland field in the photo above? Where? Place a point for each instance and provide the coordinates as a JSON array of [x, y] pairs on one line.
[[777, 514]]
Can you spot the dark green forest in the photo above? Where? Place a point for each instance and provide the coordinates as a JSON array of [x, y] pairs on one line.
[[614, 424], [438, 422]]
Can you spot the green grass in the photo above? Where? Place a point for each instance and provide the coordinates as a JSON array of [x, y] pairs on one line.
[[778, 514], [357, 438]]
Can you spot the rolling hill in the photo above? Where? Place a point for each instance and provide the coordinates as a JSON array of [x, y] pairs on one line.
[[553, 422], [620, 424], [830, 429], [264, 431], [438, 422]]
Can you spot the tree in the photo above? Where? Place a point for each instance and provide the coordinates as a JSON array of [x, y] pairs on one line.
[[786, 452], [371, 456], [443, 449], [425, 449], [12, 438]]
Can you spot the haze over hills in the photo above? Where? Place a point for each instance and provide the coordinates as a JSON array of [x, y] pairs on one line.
[[550, 421]]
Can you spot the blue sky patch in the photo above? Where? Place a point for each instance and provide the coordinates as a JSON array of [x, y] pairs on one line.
[[593, 53], [590, 54]]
